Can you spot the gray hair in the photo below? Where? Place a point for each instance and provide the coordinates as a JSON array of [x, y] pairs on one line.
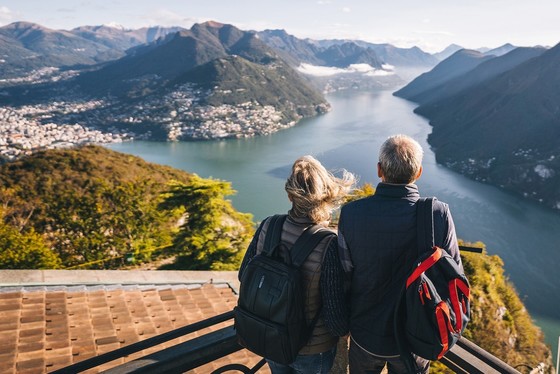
[[314, 191], [400, 159]]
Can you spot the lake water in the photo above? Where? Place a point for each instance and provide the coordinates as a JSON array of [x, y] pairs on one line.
[[525, 235]]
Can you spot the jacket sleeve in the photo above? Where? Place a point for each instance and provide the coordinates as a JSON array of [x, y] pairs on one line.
[[444, 233], [335, 308], [343, 251]]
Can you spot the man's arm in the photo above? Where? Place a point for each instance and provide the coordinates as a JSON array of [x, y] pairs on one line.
[[343, 251], [446, 237], [335, 308]]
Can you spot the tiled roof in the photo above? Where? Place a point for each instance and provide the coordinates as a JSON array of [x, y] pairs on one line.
[[47, 324]]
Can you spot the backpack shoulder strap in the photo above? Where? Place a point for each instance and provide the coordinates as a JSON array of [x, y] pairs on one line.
[[273, 233], [425, 224], [307, 242]]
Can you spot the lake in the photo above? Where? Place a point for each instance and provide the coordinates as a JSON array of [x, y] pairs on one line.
[[524, 234]]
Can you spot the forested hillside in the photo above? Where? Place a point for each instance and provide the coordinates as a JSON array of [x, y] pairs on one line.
[[64, 208], [499, 322]]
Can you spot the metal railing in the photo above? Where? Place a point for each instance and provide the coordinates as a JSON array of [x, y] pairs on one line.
[[464, 357]]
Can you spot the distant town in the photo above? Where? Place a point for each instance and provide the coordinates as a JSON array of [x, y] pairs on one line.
[[70, 120]]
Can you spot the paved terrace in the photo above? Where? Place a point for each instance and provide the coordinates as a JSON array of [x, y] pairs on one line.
[[50, 319]]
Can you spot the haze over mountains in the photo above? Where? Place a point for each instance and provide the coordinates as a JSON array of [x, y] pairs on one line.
[[497, 119]]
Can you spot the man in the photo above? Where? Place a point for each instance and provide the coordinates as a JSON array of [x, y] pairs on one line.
[[377, 240]]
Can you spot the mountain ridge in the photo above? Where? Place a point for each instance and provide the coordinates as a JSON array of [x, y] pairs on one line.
[[483, 71], [504, 130], [455, 65]]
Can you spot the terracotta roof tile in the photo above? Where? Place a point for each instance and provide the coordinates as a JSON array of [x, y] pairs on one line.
[[44, 328]]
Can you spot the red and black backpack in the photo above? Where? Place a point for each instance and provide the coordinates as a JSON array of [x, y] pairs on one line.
[[434, 306]]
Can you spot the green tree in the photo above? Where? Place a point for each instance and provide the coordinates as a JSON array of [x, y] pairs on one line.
[[108, 220], [136, 218], [24, 250], [214, 235]]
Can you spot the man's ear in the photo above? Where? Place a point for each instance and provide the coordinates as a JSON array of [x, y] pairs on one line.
[[379, 171], [419, 173]]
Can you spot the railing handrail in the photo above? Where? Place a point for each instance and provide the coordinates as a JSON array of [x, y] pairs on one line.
[[464, 357], [143, 344], [458, 360]]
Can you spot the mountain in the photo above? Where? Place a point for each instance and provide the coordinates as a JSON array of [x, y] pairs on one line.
[[346, 54], [16, 60], [166, 59], [479, 74], [44, 47], [505, 130], [211, 81], [122, 39], [25, 47], [235, 80], [297, 51], [457, 64], [169, 61], [387, 53], [291, 49], [334, 65], [448, 51], [315, 52], [502, 50], [401, 57]]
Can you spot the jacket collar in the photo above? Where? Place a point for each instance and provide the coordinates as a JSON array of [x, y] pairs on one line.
[[305, 221], [397, 190]]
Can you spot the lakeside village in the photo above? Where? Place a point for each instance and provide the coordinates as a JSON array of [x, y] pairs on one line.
[[69, 121]]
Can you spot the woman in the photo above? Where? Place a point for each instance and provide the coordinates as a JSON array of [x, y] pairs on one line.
[[314, 194]]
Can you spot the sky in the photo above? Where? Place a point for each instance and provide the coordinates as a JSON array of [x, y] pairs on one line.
[[429, 24]]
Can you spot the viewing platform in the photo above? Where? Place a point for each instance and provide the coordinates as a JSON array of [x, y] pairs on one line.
[[132, 321]]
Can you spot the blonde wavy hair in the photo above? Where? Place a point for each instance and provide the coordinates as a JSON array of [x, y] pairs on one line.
[[314, 191]]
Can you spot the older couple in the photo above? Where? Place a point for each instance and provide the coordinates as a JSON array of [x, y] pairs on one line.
[[361, 274]]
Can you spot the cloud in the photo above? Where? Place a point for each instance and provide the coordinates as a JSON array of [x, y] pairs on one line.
[[165, 17], [115, 25], [326, 71], [66, 10], [324, 2], [6, 15], [346, 9]]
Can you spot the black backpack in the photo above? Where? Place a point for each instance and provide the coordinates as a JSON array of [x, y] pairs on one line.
[[434, 307], [270, 318]]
